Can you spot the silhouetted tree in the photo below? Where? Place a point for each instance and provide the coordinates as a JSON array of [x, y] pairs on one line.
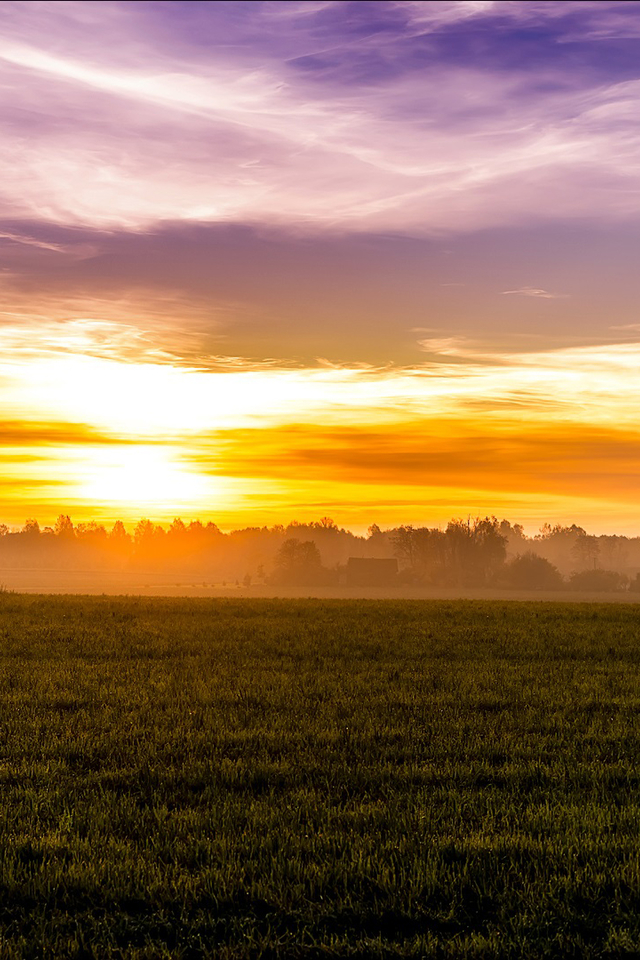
[[528, 571], [143, 532], [547, 532], [556, 544], [585, 551], [326, 523], [404, 544], [430, 553], [91, 532], [299, 563], [64, 527], [118, 532], [476, 550], [177, 529], [614, 552]]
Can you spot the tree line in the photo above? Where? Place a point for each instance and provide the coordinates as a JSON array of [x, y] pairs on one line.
[[471, 552]]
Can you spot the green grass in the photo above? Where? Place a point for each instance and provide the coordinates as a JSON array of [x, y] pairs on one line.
[[194, 778]]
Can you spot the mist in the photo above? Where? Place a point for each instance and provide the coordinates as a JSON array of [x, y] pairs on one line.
[[480, 557]]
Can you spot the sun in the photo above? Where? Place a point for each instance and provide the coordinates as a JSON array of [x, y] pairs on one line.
[[141, 476]]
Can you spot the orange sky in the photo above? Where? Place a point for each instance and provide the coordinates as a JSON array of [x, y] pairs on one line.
[[516, 435]]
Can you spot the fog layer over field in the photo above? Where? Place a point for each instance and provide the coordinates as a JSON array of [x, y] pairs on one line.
[[469, 557]]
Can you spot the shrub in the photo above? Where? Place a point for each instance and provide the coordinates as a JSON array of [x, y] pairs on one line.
[[604, 580], [528, 571]]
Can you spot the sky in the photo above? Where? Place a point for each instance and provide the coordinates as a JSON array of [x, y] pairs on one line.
[[264, 261]]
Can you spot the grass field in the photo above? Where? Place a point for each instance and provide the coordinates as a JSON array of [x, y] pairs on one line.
[[291, 778]]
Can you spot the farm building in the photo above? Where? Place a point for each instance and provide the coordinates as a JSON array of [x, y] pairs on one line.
[[370, 572]]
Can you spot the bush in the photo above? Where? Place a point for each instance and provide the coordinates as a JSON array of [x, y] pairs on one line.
[[528, 571], [599, 580]]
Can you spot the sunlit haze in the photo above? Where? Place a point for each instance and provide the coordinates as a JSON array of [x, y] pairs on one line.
[[281, 260]]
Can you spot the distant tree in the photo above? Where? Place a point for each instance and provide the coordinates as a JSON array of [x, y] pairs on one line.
[[299, 563], [528, 571], [326, 523], [476, 550], [148, 542], [430, 553], [547, 532], [177, 528], [118, 532], [422, 551], [91, 532], [557, 544], [404, 544], [586, 551], [63, 528], [614, 552], [31, 528], [468, 552], [118, 547], [296, 553], [511, 530], [143, 532], [515, 536], [604, 581]]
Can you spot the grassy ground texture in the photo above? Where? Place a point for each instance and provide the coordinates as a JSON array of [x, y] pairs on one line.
[[290, 778]]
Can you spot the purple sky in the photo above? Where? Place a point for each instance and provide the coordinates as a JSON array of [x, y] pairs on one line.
[[281, 167]]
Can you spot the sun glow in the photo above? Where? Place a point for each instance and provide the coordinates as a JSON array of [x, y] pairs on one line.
[[128, 438], [144, 476]]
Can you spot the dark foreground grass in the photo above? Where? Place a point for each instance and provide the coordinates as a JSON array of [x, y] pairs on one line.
[[184, 778]]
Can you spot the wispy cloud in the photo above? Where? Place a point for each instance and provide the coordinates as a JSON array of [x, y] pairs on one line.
[[140, 326], [75, 250], [579, 18], [434, 15], [49, 433], [456, 350], [534, 292], [130, 130]]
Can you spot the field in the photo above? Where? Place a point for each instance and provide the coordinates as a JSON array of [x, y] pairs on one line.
[[317, 778]]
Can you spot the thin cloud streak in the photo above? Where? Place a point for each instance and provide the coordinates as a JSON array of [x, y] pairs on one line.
[[534, 292]]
